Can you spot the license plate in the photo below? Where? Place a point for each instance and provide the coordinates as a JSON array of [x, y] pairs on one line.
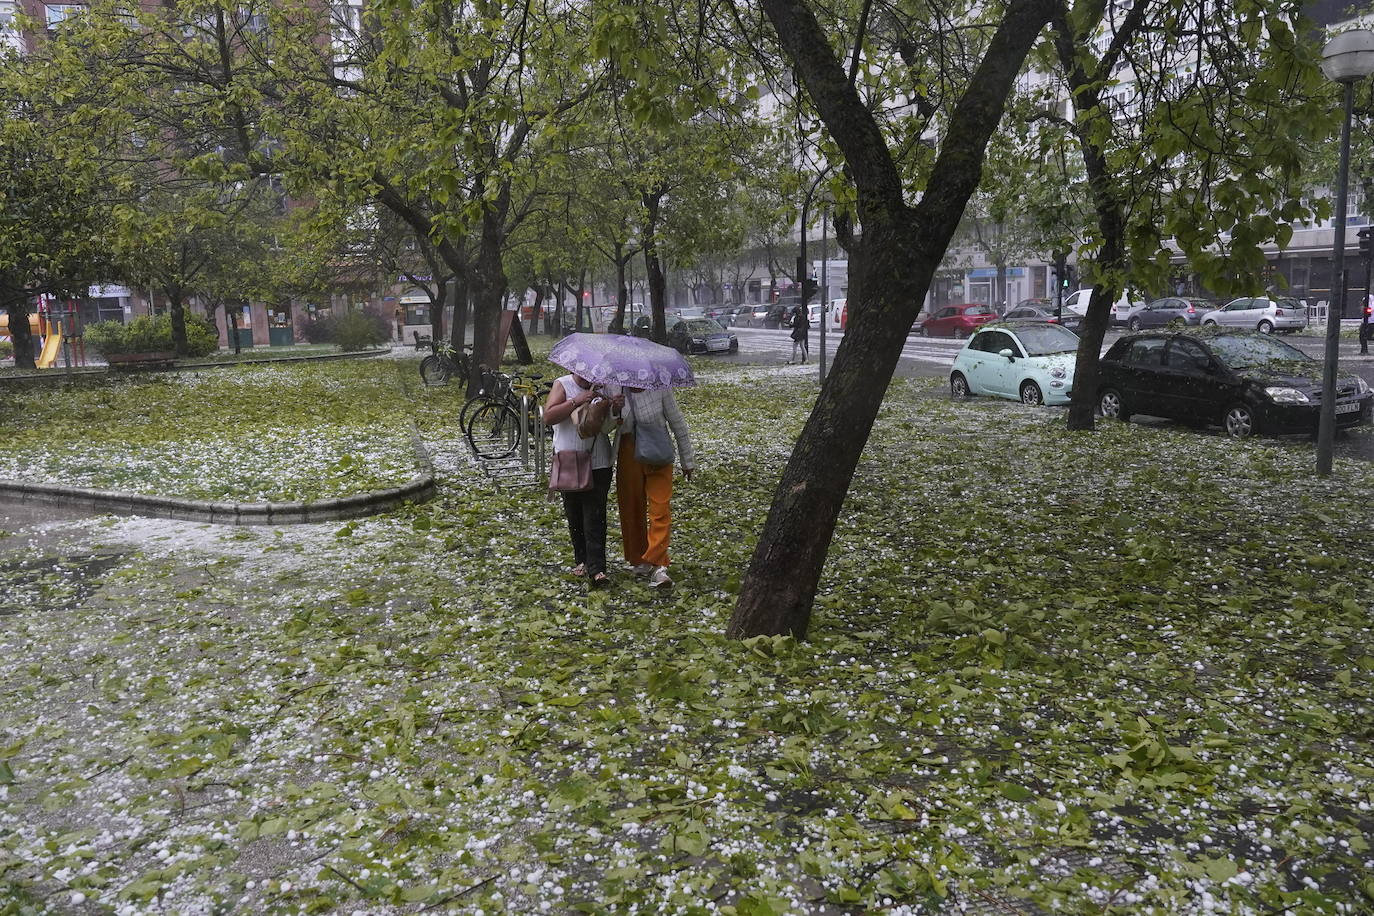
[[1348, 407], [717, 344]]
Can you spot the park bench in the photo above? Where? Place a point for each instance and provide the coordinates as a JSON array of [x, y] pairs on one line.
[[422, 341]]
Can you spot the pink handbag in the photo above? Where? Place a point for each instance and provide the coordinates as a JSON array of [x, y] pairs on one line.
[[571, 472]]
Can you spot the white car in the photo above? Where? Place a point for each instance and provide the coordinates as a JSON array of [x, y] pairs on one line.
[[1264, 315], [1077, 302], [1027, 361]]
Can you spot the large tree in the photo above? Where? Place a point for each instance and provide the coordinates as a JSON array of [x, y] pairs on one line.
[[891, 268], [1192, 121], [58, 183]]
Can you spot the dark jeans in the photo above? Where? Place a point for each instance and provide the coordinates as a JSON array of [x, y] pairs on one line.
[[586, 512]]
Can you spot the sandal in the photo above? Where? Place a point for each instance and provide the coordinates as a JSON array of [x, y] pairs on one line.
[[600, 580], [579, 570]]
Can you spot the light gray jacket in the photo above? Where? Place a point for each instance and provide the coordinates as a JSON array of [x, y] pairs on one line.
[[659, 407]]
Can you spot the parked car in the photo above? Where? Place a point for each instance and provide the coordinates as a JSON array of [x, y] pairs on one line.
[[1023, 312], [1126, 302], [1171, 311], [1027, 361], [1241, 380], [1263, 314], [956, 320], [701, 335]]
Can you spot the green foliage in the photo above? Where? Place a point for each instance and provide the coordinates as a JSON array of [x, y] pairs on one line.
[[1100, 698], [151, 334], [257, 432], [6, 349], [358, 329]]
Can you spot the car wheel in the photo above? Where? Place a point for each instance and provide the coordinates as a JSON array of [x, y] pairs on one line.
[[1031, 394], [1209, 324], [1265, 327], [960, 334], [1239, 421], [958, 385], [923, 332], [1134, 324], [1111, 406]]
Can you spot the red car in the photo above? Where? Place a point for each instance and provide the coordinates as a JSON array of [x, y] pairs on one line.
[[956, 320]]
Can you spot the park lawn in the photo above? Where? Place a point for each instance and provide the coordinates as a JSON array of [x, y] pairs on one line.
[[1125, 672], [300, 431]]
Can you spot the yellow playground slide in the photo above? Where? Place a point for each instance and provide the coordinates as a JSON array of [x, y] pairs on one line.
[[51, 344]]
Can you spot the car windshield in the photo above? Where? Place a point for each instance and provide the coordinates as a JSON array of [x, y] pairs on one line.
[[704, 326], [1243, 351], [1046, 339], [978, 310]]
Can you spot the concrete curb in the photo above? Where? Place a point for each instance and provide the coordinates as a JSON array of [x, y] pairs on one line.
[[418, 489]]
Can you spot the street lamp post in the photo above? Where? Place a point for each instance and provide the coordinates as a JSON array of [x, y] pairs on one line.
[[1346, 59]]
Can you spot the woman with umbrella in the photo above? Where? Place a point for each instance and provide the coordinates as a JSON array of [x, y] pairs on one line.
[[584, 509], [646, 373]]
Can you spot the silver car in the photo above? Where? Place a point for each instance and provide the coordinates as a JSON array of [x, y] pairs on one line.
[[1264, 315]]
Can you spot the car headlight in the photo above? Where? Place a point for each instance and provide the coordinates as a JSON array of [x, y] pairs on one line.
[[1286, 396], [1057, 372]]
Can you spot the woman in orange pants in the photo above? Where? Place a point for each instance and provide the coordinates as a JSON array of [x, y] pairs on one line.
[[644, 492]]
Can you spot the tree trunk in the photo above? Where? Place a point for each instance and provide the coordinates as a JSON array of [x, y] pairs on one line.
[[622, 292], [20, 335], [901, 249], [436, 307], [459, 332], [177, 310], [1111, 227], [653, 265], [539, 293]]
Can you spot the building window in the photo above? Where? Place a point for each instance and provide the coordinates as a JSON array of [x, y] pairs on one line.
[[57, 13]]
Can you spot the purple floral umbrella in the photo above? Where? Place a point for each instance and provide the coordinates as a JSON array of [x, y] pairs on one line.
[[621, 360]]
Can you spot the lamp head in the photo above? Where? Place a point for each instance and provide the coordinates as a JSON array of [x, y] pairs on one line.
[[1349, 56]]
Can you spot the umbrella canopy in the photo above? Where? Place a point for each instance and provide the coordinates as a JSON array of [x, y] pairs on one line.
[[617, 359]]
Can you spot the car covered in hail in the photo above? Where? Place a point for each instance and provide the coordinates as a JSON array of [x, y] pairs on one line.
[[1027, 361]]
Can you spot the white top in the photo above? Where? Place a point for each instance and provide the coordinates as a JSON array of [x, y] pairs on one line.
[[660, 406], [565, 437]]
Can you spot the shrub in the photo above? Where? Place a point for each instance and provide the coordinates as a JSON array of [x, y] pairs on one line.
[[320, 330], [360, 329], [6, 349], [202, 337], [152, 334]]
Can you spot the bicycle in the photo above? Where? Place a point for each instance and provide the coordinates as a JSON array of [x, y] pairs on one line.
[[494, 429], [444, 363]]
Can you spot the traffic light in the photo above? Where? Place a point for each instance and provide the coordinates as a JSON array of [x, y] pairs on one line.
[[1366, 241], [809, 287]]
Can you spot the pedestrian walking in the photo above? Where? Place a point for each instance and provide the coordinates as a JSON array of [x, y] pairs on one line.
[[801, 335], [644, 478], [585, 509]]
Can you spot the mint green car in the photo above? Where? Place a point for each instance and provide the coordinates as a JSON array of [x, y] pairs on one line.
[[1027, 361]]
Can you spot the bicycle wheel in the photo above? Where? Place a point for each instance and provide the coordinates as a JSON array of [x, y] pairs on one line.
[[493, 431], [435, 369], [472, 405]]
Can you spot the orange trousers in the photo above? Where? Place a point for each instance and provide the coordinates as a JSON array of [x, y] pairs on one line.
[[642, 491]]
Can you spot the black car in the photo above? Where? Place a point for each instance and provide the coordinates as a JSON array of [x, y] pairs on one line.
[[1032, 312], [1241, 380], [701, 335]]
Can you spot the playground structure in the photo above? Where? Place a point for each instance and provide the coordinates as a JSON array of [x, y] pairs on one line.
[[46, 327]]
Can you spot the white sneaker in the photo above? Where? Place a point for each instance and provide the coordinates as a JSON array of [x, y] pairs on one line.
[[660, 578], [643, 570]]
